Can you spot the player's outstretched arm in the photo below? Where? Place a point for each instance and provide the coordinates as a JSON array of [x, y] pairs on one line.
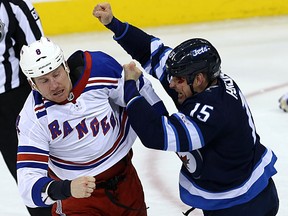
[[103, 12]]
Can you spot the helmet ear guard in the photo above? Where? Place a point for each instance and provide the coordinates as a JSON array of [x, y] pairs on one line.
[[192, 57], [41, 57]]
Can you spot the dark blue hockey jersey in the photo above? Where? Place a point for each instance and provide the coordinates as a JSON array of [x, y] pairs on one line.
[[224, 163]]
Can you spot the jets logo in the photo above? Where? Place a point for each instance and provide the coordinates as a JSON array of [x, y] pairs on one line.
[[1, 30], [200, 51], [193, 162]]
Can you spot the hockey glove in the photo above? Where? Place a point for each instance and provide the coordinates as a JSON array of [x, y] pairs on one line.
[[283, 102]]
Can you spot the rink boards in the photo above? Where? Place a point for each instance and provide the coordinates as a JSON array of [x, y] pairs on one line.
[[70, 16]]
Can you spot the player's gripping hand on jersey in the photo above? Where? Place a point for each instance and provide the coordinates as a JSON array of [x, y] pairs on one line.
[[131, 71], [283, 102], [103, 12], [83, 187]]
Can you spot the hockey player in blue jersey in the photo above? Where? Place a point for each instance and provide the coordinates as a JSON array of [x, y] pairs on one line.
[[226, 170]]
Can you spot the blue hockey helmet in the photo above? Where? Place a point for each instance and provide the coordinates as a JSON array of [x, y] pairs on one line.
[[192, 57]]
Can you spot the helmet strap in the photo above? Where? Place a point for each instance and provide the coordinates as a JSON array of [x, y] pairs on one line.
[[32, 84], [192, 89], [71, 94], [190, 81]]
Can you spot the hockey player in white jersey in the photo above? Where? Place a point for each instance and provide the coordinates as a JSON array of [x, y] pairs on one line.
[[74, 136], [226, 169]]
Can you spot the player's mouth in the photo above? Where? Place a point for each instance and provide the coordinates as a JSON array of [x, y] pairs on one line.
[[180, 95], [59, 93]]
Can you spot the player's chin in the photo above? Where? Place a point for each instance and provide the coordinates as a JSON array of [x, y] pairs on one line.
[[181, 98]]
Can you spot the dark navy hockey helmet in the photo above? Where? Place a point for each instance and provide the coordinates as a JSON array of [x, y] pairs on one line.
[[192, 57]]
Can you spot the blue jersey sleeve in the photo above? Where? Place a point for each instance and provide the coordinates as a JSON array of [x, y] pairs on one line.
[[148, 50], [133, 40], [176, 133]]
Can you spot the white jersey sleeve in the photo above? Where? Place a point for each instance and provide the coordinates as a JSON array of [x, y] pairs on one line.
[[144, 86], [33, 154]]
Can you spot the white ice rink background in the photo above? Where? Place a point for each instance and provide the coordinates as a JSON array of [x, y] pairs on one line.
[[254, 52]]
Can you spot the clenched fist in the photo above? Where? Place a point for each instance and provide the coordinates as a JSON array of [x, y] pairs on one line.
[[103, 12], [83, 187], [132, 72]]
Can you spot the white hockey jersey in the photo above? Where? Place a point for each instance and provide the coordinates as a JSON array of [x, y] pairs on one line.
[[83, 137]]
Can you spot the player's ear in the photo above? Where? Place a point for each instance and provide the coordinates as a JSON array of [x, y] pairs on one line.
[[32, 84], [66, 67], [199, 79]]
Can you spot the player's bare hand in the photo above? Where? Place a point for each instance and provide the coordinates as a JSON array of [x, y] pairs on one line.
[[132, 72], [103, 12], [83, 187]]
